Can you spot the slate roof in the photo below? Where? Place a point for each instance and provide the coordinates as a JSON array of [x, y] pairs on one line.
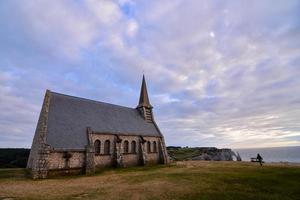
[[70, 116]]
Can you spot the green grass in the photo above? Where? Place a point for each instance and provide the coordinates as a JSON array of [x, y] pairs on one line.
[[13, 173], [183, 153], [187, 153], [182, 180]]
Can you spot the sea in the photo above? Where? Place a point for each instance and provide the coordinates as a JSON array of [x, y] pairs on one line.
[[272, 154]]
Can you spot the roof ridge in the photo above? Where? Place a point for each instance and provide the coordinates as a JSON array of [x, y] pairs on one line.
[[85, 99]]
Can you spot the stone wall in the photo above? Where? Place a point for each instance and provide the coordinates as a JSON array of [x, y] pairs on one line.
[[127, 159], [62, 162], [152, 156], [130, 159], [39, 153], [58, 159], [103, 161]]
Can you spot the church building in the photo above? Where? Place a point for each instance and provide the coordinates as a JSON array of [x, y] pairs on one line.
[[77, 135]]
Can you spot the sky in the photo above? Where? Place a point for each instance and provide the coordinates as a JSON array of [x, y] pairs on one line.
[[219, 73]]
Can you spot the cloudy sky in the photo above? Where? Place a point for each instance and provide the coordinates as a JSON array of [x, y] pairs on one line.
[[219, 73]]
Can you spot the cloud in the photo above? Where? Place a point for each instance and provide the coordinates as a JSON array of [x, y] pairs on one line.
[[132, 28], [220, 73]]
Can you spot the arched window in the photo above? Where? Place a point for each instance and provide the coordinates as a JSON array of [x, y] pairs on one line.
[[107, 147], [133, 146], [97, 146], [154, 147], [148, 147], [126, 146]]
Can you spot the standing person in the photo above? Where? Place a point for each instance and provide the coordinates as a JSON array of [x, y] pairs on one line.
[[259, 158], [238, 157]]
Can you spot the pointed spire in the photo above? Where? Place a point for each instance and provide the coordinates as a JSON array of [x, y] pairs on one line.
[[144, 99]]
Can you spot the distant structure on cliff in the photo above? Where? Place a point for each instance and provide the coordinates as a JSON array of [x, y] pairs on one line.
[[76, 135]]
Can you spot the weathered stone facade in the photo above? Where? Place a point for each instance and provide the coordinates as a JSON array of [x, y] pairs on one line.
[[40, 150], [136, 153], [127, 142], [147, 152]]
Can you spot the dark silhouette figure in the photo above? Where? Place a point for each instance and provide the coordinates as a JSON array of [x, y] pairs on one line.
[[259, 158], [238, 157]]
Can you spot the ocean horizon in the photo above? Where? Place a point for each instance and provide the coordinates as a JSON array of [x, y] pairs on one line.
[[271, 154]]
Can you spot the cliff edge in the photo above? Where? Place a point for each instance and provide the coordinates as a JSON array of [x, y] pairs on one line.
[[202, 153]]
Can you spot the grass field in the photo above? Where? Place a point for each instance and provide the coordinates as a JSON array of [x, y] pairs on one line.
[[181, 180]]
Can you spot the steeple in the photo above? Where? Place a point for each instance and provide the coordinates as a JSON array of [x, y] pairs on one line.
[[144, 105], [144, 99]]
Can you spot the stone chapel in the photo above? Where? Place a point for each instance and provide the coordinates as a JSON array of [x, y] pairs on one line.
[[77, 135]]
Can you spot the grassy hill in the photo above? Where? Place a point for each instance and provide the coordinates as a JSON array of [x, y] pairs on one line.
[[188, 153], [181, 180], [185, 153]]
